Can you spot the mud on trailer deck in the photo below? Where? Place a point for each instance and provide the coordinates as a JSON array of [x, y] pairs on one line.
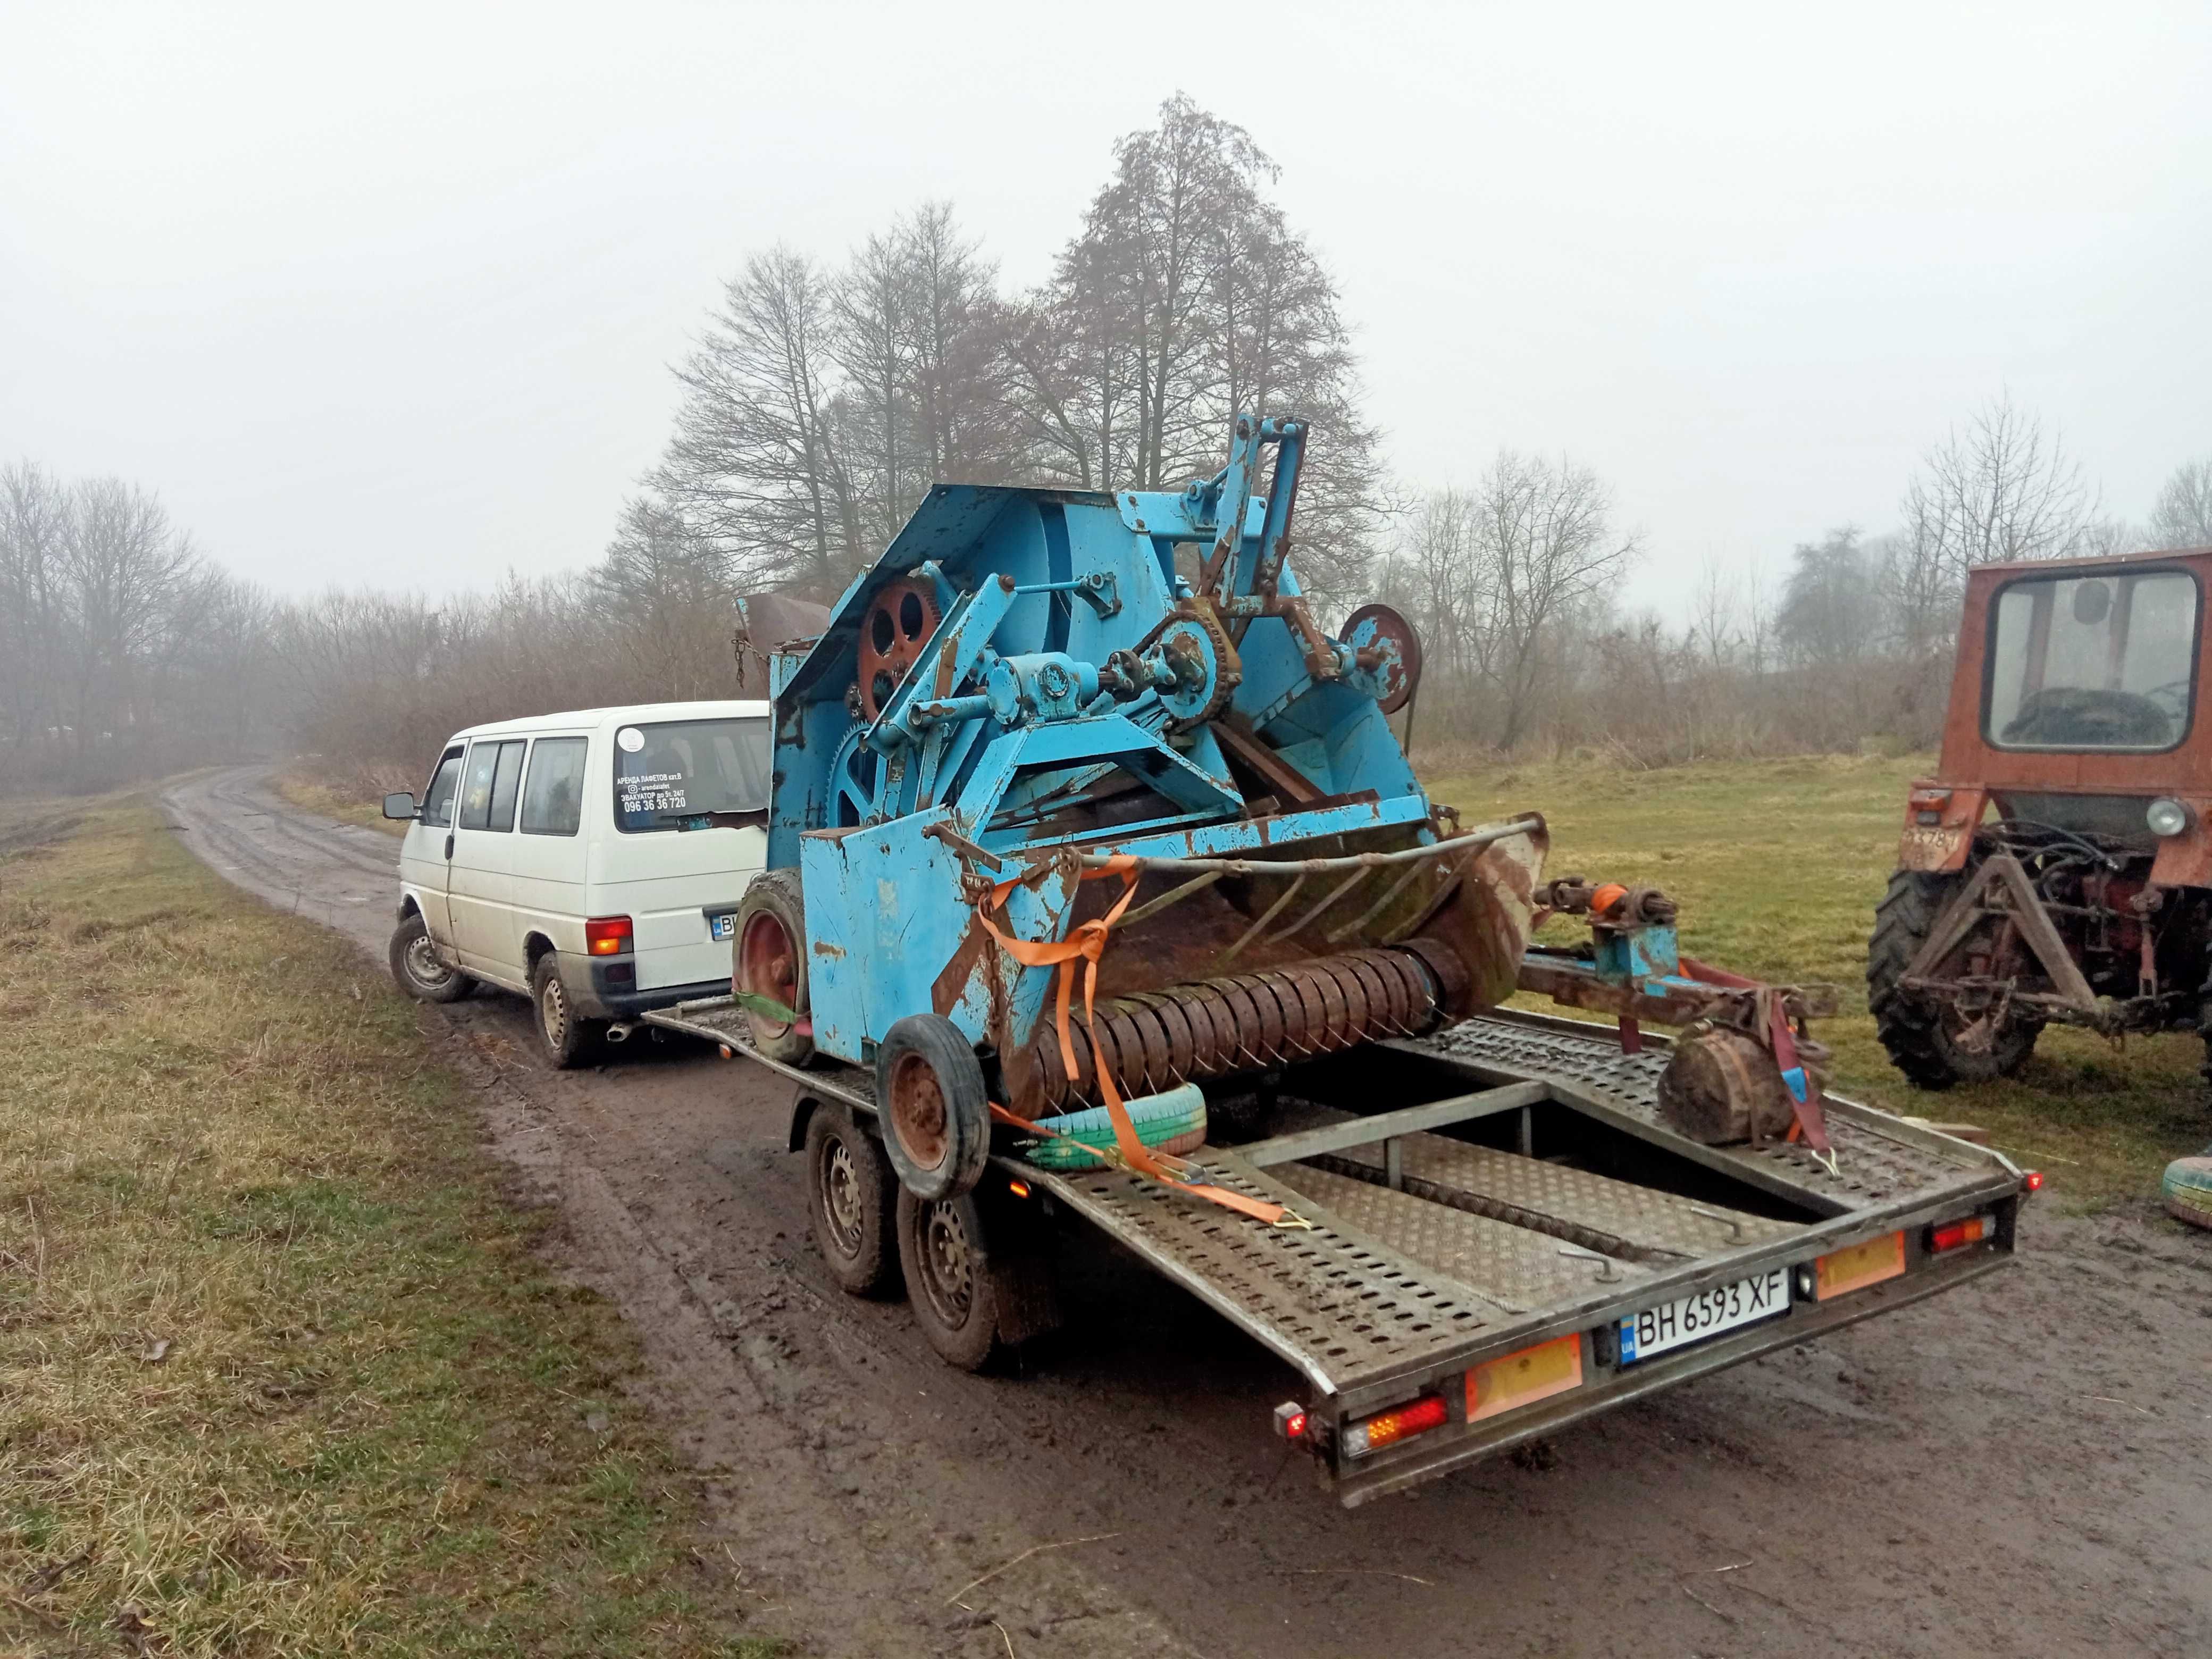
[[1515, 1241]]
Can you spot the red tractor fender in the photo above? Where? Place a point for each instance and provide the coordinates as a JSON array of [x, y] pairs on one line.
[[1940, 819]]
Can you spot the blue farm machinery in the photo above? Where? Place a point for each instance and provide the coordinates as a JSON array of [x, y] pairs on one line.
[[1076, 802]]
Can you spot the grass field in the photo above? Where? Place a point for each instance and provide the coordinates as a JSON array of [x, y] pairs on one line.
[[278, 1372], [349, 800], [1778, 865]]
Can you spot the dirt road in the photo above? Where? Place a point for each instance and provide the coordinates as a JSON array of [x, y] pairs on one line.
[[2018, 1467]]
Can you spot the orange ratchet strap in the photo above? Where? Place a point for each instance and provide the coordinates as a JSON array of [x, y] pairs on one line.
[[1086, 943]]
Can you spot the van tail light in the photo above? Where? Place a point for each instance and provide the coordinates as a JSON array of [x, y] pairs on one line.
[[1387, 1428], [607, 936], [1957, 1235]]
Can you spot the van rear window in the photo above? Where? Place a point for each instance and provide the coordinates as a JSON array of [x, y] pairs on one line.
[[673, 769]]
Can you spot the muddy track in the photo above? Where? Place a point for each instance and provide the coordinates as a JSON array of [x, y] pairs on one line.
[[2017, 1468]]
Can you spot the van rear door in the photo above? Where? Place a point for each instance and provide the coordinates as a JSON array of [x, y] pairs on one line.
[[671, 882]]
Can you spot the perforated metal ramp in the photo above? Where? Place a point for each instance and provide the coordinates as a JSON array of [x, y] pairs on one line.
[[1875, 1164], [1593, 1210], [1333, 1299], [1527, 1269]]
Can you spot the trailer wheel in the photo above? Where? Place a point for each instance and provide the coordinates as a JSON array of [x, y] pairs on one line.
[[415, 964], [945, 1257], [1934, 1043], [931, 1101], [770, 960], [850, 1196]]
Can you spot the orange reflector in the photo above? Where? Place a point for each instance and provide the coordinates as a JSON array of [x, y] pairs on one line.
[[1955, 1234], [1388, 1427], [1018, 1189], [1853, 1269], [1525, 1376]]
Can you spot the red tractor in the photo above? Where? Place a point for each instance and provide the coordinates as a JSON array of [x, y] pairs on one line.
[[2059, 866]]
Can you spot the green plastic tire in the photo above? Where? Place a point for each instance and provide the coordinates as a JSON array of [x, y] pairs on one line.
[[2187, 1189], [1173, 1122]]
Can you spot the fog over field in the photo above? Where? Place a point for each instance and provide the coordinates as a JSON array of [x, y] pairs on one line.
[[397, 297], [422, 301]]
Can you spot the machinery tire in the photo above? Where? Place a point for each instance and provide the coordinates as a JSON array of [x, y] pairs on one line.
[[769, 959], [413, 959], [850, 1198], [931, 1103], [568, 1041], [1914, 1029], [945, 1255]]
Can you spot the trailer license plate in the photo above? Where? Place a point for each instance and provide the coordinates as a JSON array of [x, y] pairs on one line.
[[1694, 1318], [724, 927]]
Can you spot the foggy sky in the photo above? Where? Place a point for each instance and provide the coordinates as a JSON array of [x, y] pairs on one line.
[[378, 294]]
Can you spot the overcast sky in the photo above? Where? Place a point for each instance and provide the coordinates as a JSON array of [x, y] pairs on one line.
[[375, 294]]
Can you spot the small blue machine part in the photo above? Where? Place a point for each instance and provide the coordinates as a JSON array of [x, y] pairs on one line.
[[1029, 675]]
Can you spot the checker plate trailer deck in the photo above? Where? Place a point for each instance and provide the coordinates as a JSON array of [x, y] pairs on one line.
[[1100, 890]]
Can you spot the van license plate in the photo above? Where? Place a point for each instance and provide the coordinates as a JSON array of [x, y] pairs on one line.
[[724, 927], [1694, 1318]]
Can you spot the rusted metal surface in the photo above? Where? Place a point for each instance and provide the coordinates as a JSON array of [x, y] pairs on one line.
[[1152, 1041], [1566, 981]]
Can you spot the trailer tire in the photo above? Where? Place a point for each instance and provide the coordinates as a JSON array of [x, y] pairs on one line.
[[413, 960], [769, 959], [568, 1041], [931, 1101], [1917, 1031], [945, 1255], [851, 1196]]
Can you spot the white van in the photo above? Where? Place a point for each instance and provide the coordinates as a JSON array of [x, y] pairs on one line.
[[592, 861]]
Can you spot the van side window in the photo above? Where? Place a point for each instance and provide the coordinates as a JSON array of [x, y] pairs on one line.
[[553, 800], [476, 786], [505, 784], [438, 799]]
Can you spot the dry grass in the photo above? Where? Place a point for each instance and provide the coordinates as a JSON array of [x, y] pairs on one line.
[[280, 1373], [351, 795], [1779, 864]]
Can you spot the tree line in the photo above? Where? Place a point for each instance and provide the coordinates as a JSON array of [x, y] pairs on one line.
[[820, 401]]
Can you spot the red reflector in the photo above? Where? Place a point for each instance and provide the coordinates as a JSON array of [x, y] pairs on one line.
[[1972, 1230], [607, 936], [1390, 1427], [2034, 1179], [1291, 1421]]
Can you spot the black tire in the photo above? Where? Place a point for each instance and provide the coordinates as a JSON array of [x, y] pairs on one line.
[[415, 966], [568, 1041], [768, 958], [851, 1201], [931, 1103], [945, 1255], [1920, 1033]]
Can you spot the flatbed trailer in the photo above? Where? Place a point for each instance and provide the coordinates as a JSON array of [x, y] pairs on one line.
[[1505, 1236]]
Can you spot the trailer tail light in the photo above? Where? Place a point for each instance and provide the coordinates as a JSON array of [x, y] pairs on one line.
[[2033, 1181], [1857, 1266], [1957, 1235], [1387, 1428], [607, 936], [1291, 1421]]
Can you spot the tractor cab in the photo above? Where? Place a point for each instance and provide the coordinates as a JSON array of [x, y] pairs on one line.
[[2059, 866]]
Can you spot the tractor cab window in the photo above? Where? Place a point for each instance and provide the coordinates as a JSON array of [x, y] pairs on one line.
[[2092, 662]]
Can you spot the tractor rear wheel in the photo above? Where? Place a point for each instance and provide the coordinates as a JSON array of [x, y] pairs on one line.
[[1934, 1042]]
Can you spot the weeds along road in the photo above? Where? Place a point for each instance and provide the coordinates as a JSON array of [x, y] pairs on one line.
[[2018, 1467]]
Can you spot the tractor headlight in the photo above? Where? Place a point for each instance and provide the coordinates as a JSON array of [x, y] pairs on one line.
[[2167, 816]]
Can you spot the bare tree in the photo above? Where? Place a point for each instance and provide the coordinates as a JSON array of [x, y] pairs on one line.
[[1545, 543], [2183, 514], [752, 466]]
